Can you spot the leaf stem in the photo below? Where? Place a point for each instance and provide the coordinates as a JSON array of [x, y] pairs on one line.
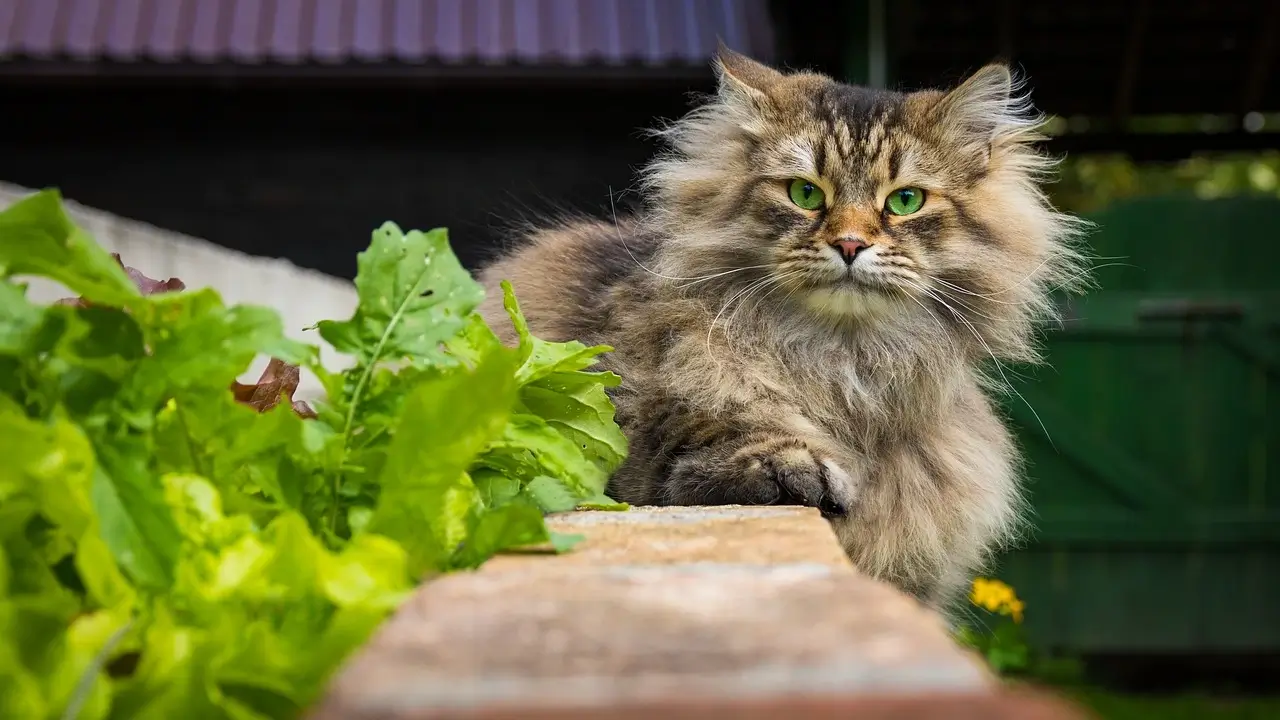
[[85, 685], [356, 395], [367, 373], [186, 436]]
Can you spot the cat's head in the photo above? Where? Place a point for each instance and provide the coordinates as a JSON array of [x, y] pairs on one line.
[[857, 203]]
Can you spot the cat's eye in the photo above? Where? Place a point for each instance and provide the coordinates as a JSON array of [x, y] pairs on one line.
[[904, 201], [806, 195]]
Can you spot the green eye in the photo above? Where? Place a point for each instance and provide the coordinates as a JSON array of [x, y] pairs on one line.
[[904, 201], [806, 195]]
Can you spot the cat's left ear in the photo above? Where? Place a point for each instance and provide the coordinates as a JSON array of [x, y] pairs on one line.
[[985, 109]]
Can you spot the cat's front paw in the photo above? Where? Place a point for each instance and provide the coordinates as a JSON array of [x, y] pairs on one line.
[[805, 477]]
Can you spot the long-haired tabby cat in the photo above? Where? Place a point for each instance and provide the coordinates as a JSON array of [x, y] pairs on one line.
[[802, 311]]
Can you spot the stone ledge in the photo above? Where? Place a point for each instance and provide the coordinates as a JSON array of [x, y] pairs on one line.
[[657, 536], [713, 612], [1019, 705]]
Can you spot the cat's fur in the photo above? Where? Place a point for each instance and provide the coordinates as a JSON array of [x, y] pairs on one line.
[[756, 370]]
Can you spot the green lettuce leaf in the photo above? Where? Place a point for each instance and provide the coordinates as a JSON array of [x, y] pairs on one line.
[[506, 527], [550, 494], [539, 358], [575, 404], [171, 549], [413, 296], [197, 343], [427, 500], [530, 447], [39, 239], [135, 522], [20, 321]]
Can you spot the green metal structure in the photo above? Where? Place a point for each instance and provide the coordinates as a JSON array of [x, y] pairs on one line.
[[1154, 461]]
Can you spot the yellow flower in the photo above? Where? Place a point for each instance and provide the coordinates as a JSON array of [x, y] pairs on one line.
[[996, 596], [978, 593], [1015, 609]]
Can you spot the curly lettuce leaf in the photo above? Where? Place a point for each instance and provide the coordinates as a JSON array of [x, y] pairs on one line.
[[539, 358], [575, 404], [196, 342], [557, 393], [259, 619]]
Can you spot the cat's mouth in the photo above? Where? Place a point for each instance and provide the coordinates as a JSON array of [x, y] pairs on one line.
[[853, 293], [850, 299], [856, 275], [855, 279]]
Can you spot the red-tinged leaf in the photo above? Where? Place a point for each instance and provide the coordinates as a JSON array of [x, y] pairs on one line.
[[147, 285], [279, 379]]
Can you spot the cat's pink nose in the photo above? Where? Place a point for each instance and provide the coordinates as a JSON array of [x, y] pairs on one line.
[[849, 248]]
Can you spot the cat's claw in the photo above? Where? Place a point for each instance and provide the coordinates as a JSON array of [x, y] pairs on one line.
[[803, 478]]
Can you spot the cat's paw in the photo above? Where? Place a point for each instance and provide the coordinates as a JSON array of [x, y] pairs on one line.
[[806, 477]]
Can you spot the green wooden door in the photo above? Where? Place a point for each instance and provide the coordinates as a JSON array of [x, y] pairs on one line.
[[1154, 462]]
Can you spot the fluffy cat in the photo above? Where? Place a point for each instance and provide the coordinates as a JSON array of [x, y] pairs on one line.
[[801, 311]]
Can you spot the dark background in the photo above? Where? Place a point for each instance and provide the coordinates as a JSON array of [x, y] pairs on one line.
[[304, 160]]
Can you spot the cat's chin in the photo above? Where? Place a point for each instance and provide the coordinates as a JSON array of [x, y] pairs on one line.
[[852, 301]]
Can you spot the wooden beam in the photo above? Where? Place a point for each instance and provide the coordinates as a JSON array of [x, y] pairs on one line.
[[1129, 65], [1260, 61]]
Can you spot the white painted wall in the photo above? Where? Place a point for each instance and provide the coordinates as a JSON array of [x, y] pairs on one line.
[[300, 295]]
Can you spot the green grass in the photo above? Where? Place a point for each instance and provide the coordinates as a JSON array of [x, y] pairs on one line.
[[1115, 706], [1066, 677]]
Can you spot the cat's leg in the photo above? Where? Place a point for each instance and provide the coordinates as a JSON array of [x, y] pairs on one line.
[[762, 469], [738, 456]]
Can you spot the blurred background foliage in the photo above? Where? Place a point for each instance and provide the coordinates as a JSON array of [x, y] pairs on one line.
[[1088, 183]]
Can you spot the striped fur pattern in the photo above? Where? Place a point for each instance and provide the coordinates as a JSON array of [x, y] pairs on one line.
[[759, 368]]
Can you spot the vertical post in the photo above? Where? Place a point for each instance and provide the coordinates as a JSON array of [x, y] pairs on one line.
[[867, 59], [877, 52]]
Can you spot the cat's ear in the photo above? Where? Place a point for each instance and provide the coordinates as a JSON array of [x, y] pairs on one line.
[[742, 79], [986, 108]]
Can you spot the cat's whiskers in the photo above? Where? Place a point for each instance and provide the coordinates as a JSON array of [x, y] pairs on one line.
[[704, 278], [742, 291], [942, 328], [613, 211], [1005, 384], [967, 305], [739, 298], [768, 289], [1066, 282], [689, 280]]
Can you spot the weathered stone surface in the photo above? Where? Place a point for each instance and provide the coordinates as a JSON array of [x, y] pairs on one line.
[[725, 612], [1019, 705], [752, 535]]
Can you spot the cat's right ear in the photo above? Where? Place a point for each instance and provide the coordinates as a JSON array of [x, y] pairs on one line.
[[743, 80]]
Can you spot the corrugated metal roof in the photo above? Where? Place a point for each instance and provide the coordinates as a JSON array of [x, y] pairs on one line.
[[570, 32]]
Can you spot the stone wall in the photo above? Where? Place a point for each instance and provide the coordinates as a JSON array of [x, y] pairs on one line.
[[672, 612]]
